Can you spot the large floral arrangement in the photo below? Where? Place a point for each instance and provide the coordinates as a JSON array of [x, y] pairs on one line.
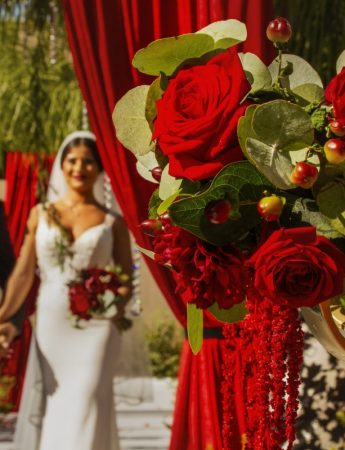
[[250, 208]]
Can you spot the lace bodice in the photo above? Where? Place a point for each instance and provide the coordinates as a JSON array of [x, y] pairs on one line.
[[93, 248]]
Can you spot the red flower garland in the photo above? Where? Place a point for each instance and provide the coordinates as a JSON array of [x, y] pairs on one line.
[[228, 389], [272, 347]]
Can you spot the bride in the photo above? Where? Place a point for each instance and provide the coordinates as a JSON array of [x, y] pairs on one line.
[[76, 365]]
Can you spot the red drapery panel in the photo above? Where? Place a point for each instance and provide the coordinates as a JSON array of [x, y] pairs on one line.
[[21, 195], [103, 37]]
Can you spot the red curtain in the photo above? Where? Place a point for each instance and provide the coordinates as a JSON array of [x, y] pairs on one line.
[[103, 37], [21, 195]]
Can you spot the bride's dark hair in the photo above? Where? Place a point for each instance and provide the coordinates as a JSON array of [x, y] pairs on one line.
[[89, 143]]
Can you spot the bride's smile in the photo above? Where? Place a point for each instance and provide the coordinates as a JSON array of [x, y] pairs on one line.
[[80, 168]]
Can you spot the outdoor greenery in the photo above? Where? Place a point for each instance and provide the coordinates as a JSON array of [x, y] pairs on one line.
[[164, 341], [40, 101]]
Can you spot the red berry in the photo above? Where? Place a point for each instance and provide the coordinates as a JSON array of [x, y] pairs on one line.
[[279, 30], [218, 211], [165, 219], [270, 208], [337, 127], [156, 173], [150, 226], [304, 174], [335, 151]]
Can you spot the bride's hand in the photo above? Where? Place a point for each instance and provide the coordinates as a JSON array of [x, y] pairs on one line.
[[8, 332]]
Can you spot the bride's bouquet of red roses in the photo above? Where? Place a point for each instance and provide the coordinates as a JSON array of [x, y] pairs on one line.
[[96, 293], [249, 209]]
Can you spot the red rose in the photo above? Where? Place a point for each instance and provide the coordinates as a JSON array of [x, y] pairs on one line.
[[204, 272], [335, 94], [296, 267], [79, 301], [94, 284], [196, 124]]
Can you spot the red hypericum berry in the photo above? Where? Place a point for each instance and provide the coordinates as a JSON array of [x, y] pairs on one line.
[[279, 30], [150, 226], [335, 151], [218, 211], [156, 173], [165, 219], [304, 174], [270, 208], [337, 127]]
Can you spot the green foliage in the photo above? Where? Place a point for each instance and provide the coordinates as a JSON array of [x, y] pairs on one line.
[[299, 70], [169, 54], [129, 117], [195, 320], [331, 201], [256, 71], [242, 185], [164, 340], [40, 102], [269, 132], [235, 314]]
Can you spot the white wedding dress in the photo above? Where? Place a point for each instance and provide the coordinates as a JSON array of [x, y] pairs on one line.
[[76, 366]]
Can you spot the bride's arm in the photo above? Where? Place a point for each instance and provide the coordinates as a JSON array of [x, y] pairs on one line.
[[122, 254], [22, 276]]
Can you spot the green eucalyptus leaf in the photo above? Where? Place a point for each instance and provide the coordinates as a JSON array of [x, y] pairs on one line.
[[303, 72], [145, 163], [340, 61], [169, 185], [234, 314], [194, 327], [162, 208], [256, 71], [226, 33], [308, 93], [331, 201], [132, 128], [278, 128], [245, 130], [305, 212], [242, 185], [167, 54], [155, 93]]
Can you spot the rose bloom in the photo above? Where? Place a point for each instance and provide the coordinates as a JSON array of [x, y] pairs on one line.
[[296, 267], [93, 282], [196, 124], [79, 301], [204, 272], [335, 94]]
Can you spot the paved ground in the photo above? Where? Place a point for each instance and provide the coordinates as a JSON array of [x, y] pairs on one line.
[[142, 426]]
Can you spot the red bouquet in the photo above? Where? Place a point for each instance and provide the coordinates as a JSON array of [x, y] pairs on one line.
[[95, 293]]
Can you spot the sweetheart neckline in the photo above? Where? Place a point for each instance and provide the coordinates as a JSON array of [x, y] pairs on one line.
[[53, 227]]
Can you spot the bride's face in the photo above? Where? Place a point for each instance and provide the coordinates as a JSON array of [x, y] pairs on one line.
[[80, 168]]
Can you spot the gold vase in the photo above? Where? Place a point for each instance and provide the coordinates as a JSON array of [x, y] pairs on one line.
[[327, 323]]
